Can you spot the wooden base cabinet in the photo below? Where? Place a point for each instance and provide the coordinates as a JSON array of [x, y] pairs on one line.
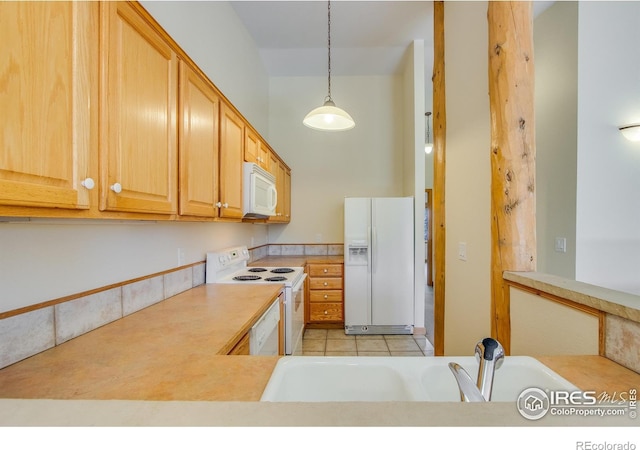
[[325, 294]]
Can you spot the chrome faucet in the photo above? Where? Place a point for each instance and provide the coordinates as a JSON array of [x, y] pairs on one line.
[[490, 356]]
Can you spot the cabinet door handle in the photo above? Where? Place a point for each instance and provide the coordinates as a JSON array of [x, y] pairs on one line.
[[116, 187], [225, 205], [219, 205], [88, 183]]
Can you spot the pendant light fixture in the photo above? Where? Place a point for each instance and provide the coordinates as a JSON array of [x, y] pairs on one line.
[[428, 145], [329, 117], [631, 132]]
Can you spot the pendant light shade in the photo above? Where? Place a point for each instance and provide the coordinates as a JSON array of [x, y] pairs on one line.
[[329, 117], [631, 132]]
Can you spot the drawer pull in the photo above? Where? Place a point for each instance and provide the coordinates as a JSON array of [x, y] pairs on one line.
[[326, 312], [325, 283], [325, 270], [326, 296]]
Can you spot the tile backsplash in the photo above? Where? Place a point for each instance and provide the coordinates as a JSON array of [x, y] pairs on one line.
[[25, 335], [622, 341], [302, 249], [35, 331]]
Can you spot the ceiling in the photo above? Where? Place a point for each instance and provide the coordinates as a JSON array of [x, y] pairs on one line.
[[367, 37]]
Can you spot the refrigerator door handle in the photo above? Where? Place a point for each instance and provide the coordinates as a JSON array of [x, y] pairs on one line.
[[368, 249], [373, 249]]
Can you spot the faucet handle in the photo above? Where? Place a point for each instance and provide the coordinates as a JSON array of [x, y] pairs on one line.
[[490, 350]]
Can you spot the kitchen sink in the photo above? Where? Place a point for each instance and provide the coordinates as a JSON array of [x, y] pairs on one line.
[[358, 379]]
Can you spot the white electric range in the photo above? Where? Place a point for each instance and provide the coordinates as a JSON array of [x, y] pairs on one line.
[[230, 266]]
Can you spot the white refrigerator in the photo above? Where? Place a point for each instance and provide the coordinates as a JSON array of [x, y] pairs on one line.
[[379, 265]]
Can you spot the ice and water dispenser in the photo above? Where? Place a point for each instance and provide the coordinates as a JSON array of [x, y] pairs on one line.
[[357, 253]]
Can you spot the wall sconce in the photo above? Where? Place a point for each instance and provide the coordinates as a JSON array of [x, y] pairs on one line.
[[428, 145], [631, 132]]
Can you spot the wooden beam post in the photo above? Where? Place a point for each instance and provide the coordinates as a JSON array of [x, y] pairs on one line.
[[511, 99], [439, 137]]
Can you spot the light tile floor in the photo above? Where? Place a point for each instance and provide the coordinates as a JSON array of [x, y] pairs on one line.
[[334, 342]]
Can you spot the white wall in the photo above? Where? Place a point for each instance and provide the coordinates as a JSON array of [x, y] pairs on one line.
[[366, 161], [608, 189], [48, 259], [467, 177], [556, 97]]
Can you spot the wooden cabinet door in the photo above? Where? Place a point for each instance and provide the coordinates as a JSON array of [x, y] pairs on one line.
[[243, 346], [198, 144], [231, 159], [251, 146], [274, 164], [255, 149], [283, 186], [47, 66], [286, 209], [138, 94], [280, 186]]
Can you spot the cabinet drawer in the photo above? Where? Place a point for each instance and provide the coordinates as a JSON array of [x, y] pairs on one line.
[[325, 296], [325, 270], [325, 283], [325, 312]]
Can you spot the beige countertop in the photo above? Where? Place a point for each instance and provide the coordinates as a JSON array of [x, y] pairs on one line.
[[175, 351], [169, 351], [608, 300]]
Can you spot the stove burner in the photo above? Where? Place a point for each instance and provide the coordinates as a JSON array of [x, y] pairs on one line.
[[282, 270], [276, 279], [247, 278], [257, 269]]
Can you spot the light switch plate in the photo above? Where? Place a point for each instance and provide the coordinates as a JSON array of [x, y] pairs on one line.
[[462, 251], [561, 245]]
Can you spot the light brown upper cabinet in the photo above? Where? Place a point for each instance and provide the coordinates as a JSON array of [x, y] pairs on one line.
[[231, 159], [138, 125], [255, 150], [283, 186], [103, 115], [47, 104], [198, 144]]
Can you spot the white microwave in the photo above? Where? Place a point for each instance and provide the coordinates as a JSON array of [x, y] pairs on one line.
[[260, 196]]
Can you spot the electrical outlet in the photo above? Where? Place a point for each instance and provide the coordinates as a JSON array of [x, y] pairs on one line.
[[462, 251]]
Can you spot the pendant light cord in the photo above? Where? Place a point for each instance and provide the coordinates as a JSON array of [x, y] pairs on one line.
[[329, 46]]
